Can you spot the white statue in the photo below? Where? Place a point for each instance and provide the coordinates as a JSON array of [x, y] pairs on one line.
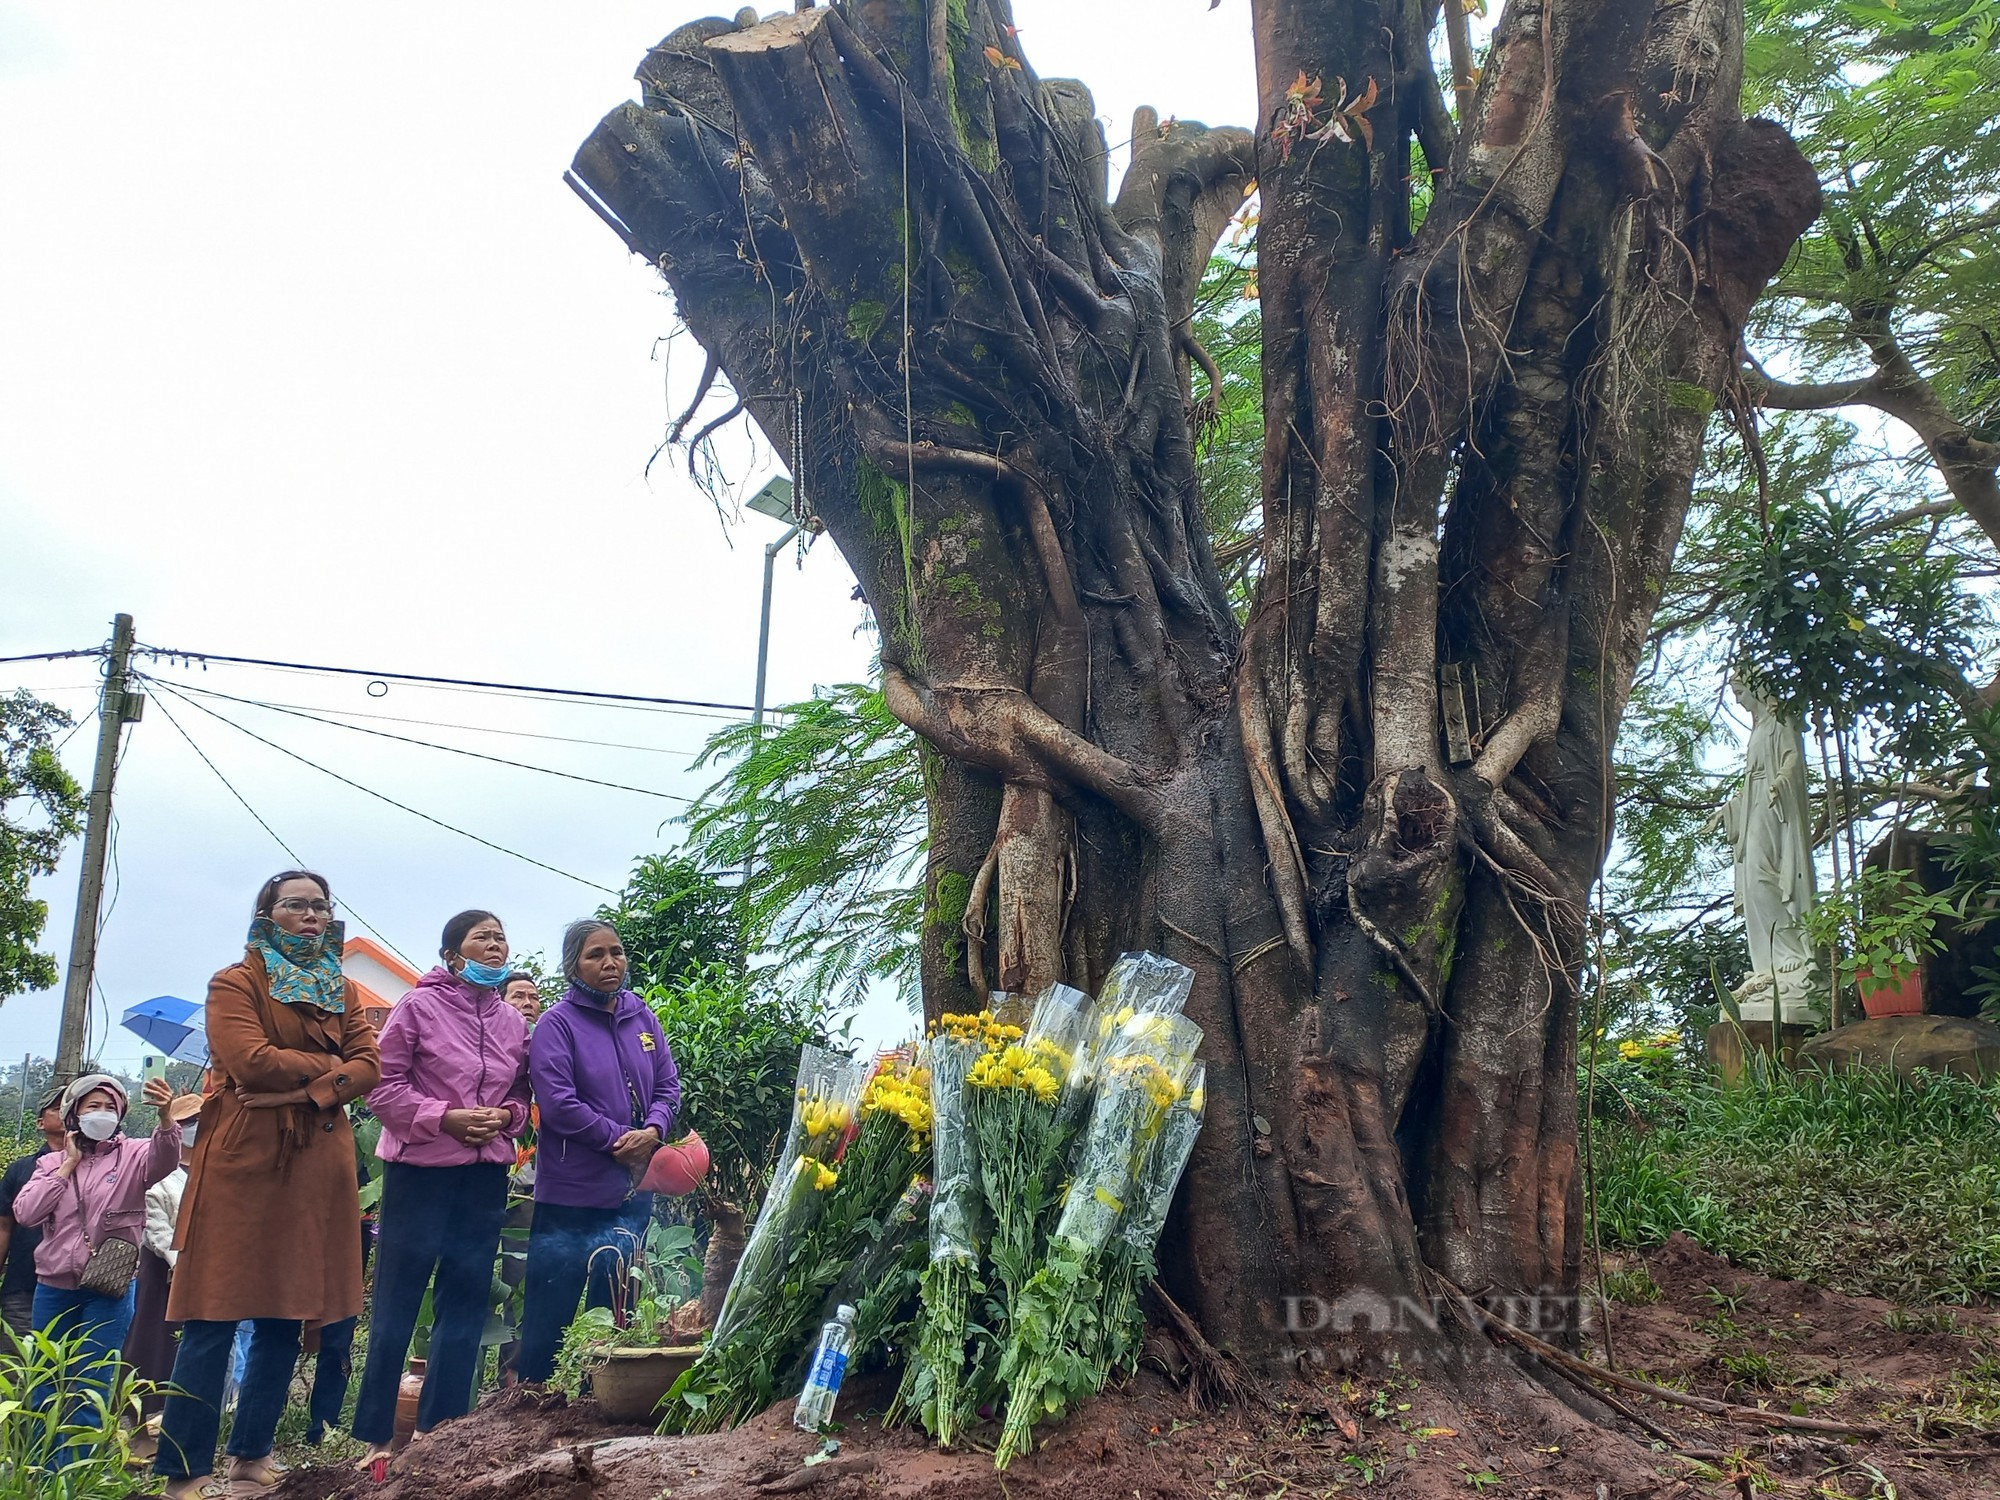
[[1769, 823]]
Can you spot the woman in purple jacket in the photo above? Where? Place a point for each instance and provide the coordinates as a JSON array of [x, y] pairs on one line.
[[453, 1095], [607, 1091]]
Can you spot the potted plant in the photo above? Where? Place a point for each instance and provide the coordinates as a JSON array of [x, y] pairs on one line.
[[633, 1350], [1883, 926]]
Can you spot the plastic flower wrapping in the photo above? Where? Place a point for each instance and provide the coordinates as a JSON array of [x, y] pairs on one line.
[[955, 1047], [826, 1096], [1145, 982], [1131, 1267], [934, 1359], [1138, 984], [1139, 1230], [1146, 1069]]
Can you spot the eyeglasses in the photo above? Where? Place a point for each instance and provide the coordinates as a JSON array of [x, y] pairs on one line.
[[295, 904]]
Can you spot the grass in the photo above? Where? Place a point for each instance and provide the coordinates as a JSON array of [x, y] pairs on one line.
[[1633, 1285], [54, 1398], [1970, 1399], [1861, 1182], [1922, 1320]]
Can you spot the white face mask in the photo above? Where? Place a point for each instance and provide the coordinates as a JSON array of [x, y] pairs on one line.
[[98, 1124]]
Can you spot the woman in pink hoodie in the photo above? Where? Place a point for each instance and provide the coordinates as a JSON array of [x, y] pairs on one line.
[[92, 1191], [452, 1100]]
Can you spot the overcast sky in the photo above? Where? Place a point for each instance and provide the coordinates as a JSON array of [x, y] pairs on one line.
[[307, 353]]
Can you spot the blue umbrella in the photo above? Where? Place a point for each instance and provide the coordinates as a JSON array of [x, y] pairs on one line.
[[171, 1025]]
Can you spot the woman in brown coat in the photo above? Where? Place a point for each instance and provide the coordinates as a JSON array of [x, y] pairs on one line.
[[269, 1223]]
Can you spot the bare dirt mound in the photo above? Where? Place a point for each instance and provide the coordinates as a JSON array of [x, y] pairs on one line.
[[1142, 1441], [1717, 1331], [1928, 1378]]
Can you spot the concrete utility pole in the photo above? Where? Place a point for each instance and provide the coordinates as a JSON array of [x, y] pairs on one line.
[[117, 708]]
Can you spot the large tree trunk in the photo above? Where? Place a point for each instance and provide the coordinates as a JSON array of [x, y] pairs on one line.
[[1482, 423]]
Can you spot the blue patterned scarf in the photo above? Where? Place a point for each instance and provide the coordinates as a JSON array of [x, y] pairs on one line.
[[304, 970]]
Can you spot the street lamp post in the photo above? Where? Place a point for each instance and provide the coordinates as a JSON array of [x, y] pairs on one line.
[[773, 500]]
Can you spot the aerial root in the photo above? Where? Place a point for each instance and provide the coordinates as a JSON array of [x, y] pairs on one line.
[[974, 921], [1213, 1378]]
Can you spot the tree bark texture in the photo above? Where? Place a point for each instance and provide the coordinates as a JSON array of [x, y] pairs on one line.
[[1485, 389]]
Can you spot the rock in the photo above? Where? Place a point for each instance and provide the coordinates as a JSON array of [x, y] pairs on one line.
[[1903, 1044]]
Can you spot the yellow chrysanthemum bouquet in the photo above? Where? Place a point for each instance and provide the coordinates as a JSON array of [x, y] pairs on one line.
[[1057, 1351], [751, 1346], [1013, 1102], [826, 1098], [1013, 1088], [934, 1387]]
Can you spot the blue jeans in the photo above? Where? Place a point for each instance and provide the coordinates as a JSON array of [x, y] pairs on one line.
[[443, 1221], [193, 1414], [332, 1369], [99, 1324], [563, 1245]]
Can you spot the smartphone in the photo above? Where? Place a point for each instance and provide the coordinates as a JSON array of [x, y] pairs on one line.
[[151, 1067]]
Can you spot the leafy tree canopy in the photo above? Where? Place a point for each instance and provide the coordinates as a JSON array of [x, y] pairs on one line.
[[675, 918], [1837, 562], [1893, 301], [41, 808], [825, 810]]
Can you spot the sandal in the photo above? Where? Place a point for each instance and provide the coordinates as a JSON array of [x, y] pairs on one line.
[[244, 1487]]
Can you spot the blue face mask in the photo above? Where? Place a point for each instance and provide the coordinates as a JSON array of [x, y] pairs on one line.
[[484, 976]]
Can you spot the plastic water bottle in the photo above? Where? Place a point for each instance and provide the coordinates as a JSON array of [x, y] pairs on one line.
[[829, 1368]]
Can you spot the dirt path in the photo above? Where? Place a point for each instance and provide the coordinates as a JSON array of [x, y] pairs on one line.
[[1931, 1382]]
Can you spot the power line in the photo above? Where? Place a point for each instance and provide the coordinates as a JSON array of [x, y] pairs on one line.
[[463, 682], [290, 853], [52, 655], [567, 702], [517, 734], [74, 730], [381, 796], [498, 760]]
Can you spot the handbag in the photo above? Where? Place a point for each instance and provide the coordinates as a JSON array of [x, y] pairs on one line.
[[113, 1262]]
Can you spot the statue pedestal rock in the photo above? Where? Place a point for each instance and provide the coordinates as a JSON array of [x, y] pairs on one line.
[[1769, 825], [1964, 1045]]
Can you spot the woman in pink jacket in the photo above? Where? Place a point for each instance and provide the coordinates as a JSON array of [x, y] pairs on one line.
[[453, 1097], [92, 1191]]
